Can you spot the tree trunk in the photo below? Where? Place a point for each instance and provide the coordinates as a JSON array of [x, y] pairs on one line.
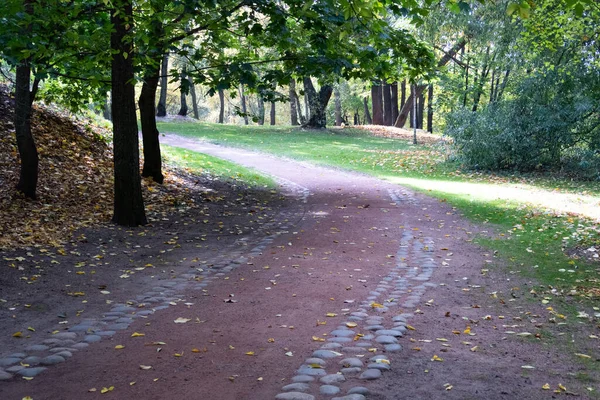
[[28, 176], [243, 100], [377, 101], [403, 92], [492, 87], [338, 107], [221, 106], [150, 135], [420, 110], [317, 103], [194, 99], [368, 119], [394, 99], [272, 113], [503, 85], [466, 83], [430, 109], [261, 111], [183, 89], [106, 111], [293, 103], [161, 109], [387, 104], [128, 204], [401, 120], [413, 91]]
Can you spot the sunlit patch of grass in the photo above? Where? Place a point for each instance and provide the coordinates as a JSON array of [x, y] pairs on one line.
[[217, 168]]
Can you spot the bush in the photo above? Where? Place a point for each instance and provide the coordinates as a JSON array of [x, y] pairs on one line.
[[552, 123]]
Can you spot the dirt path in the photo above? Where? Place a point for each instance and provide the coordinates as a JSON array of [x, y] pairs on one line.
[[358, 288]]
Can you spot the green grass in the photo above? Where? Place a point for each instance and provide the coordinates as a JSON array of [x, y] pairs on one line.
[[356, 150], [200, 163], [534, 243]]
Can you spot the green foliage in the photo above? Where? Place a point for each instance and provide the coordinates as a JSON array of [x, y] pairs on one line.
[[552, 123]]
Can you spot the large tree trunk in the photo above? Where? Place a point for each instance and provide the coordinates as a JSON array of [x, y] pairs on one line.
[[272, 113], [430, 109], [150, 135], [317, 103], [183, 89], [368, 119], [387, 104], [221, 106], [293, 103], [194, 99], [401, 120], [161, 109], [394, 99], [403, 91], [377, 100], [243, 100], [338, 107], [128, 204], [28, 176]]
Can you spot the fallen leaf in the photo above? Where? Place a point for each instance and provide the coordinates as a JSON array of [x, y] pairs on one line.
[[119, 347], [137, 334], [546, 386], [145, 367], [249, 353], [17, 334], [330, 314], [107, 389], [436, 358], [351, 324], [182, 320]]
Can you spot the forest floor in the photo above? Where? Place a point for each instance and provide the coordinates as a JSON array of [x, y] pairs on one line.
[[243, 291]]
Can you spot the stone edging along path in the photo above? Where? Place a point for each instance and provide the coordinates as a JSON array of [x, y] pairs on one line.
[[61, 345], [349, 355]]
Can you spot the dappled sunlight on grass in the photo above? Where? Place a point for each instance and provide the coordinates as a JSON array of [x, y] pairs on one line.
[[561, 203]]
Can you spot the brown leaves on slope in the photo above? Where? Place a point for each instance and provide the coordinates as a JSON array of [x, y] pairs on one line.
[[75, 187]]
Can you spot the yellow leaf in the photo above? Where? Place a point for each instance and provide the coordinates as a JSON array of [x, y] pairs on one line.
[[467, 329], [317, 339], [137, 334], [376, 305], [373, 350], [27, 398], [18, 334], [106, 390], [436, 358], [441, 339], [315, 365], [119, 347], [546, 386], [271, 340], [561, 387], [259, 379], [410, 328], [474, 348], [182, 320], [582, 355], [249, 353], [321, 322], [456, 332], [145, 367], [131, 383], [178, 354], [28, 378], [351, 324], [330, 314], [29, 328], [195, 350]]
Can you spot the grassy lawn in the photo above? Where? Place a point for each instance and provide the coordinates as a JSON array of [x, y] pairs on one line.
[[529, 238], [217, 168]]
